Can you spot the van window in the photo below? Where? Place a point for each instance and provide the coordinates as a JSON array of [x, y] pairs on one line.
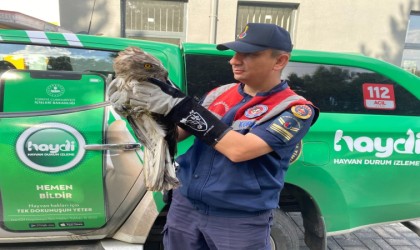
[[334, 89], [205, 72], [36, 57], [339, 89]]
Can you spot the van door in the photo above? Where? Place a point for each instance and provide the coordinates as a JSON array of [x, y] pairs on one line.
[[49, 180]]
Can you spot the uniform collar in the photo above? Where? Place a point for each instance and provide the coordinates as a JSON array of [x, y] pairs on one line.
[[279, 87]]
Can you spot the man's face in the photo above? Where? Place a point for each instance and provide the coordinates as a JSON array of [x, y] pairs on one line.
[[254, 68]]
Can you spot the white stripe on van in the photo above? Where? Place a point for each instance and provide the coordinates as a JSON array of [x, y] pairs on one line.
[[72, 39], [38, 37]]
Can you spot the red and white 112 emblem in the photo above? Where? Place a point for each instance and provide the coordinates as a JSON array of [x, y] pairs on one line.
[[379, 96]]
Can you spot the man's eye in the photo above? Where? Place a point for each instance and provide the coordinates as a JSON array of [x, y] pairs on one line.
[[148, 66], [259, 53], [252, 55]]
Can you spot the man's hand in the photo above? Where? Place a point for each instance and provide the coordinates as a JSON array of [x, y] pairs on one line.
[[165, 99], [153, 95], [156, 96]]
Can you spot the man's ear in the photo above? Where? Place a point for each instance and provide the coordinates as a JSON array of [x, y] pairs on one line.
[[282, 61]]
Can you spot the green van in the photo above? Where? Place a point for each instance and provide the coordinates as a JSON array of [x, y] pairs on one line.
[[71, 168]]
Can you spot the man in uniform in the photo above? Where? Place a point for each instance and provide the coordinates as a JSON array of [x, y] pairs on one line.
[[246, 133]]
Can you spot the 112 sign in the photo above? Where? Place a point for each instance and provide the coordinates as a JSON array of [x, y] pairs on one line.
[[379, 96]]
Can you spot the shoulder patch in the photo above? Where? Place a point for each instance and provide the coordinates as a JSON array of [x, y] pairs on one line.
[[256, 111], [301, 111], [285, 126]]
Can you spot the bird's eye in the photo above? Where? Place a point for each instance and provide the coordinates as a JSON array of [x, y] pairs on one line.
[[148, 66]]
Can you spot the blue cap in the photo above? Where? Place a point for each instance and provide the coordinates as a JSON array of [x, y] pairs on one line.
[[260, 36]]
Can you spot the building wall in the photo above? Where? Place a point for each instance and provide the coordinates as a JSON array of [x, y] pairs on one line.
[[45, 10], [198, 21], [373, 28], [75, 15], [376, 28]]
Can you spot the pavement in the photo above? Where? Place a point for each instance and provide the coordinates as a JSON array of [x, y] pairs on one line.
[[394, 236]]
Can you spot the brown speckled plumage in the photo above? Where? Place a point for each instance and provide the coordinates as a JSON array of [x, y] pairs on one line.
[[134, 63], [132, 67]]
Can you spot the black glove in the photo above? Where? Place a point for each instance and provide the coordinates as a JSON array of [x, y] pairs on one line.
[[166, 99]]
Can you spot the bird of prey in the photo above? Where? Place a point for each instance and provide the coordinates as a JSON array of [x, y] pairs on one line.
[[133, 67]]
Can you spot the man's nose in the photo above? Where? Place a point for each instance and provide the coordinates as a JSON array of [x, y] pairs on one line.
[[236, 59]]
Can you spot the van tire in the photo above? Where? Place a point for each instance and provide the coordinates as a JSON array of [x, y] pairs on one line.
[[284, 232]]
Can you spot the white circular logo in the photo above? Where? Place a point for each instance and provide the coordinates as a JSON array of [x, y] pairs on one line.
[[55, 90], [51, 147]]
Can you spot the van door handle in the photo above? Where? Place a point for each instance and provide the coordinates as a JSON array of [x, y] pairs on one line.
[[123, 146]]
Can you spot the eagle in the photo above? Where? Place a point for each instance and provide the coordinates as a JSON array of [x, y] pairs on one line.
[[133, 67]]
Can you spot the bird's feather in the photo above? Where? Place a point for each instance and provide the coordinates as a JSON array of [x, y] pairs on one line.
[[133, 67]]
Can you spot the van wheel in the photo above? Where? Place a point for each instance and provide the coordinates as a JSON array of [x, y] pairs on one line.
[[284, 234]]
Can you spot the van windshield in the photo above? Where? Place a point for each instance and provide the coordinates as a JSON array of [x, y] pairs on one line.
[[52, 79], [37, 57]]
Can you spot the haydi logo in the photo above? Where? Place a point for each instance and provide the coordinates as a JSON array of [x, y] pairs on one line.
[[68, 146], [50, 147], [382, 147]]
